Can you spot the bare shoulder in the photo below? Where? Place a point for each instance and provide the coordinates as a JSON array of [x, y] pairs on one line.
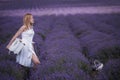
[[22, 28]]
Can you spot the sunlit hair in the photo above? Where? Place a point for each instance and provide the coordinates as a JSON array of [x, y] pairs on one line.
[[26, 20]]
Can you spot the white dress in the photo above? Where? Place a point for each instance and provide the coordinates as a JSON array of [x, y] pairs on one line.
[[25, 56]]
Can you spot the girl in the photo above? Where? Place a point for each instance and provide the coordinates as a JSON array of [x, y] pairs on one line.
[[27, 57]]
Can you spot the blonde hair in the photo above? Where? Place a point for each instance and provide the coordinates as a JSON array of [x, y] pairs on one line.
[[26, 20]]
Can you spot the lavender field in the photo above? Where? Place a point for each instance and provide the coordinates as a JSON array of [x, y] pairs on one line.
[[68, 39]]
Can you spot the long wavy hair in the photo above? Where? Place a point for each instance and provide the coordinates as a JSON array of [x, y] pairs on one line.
[[26, 20]]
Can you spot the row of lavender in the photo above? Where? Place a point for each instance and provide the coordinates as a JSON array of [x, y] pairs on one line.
[[66, 45], [64, 59], [100, 40], [96, 34]]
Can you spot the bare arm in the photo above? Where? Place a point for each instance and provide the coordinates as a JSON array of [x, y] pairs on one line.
[[15, 36]]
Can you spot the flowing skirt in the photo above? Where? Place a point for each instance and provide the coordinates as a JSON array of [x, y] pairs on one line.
[[25, 56]]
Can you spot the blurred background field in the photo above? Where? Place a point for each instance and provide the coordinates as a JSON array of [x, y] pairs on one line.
[[66, 44]]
